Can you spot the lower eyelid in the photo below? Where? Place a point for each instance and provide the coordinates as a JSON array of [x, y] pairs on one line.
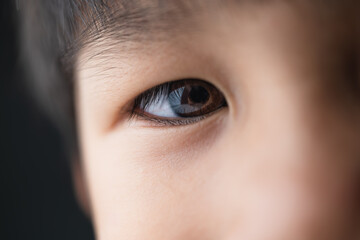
[[162, 122], [153, 121]]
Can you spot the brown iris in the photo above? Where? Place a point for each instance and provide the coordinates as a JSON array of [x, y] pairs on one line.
[[194, 98]]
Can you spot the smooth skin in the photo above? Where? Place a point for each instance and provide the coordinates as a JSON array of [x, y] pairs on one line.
[[280, 162]]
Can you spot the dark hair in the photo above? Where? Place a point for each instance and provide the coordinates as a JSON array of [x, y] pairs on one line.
[[47, 30]]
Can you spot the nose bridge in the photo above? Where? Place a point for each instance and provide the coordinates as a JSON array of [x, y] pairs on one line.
[[305, 130], [295, 122], [291, 158], [274, 126]]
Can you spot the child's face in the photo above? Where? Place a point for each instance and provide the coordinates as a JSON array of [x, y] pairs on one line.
[[269, 151]]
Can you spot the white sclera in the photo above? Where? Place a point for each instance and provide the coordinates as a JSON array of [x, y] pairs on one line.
[[161, 108]]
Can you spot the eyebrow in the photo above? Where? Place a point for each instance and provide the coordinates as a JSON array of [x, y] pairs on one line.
[[127, 17], [135, 20]]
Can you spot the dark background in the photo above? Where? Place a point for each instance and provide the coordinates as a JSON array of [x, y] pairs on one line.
[[36, 199]]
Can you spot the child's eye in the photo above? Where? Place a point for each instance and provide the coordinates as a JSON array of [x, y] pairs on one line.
[[179, 102]]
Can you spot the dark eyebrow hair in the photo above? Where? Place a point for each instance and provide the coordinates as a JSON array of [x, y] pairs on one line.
[[131, 20], [111, 22]]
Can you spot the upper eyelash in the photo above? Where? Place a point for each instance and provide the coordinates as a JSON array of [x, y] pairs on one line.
[[151, 96], [148, 97]]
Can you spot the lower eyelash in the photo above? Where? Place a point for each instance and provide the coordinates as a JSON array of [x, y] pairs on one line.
[[164, 122]]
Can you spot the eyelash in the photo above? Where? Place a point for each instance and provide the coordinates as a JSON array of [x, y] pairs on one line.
[[166, 122], [154, 95]]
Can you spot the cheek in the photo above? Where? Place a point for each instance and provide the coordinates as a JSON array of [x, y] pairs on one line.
[[178, 184], [142, 181]]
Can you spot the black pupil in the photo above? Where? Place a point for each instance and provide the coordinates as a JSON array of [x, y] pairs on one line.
[[198, 94], [191, 100]]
